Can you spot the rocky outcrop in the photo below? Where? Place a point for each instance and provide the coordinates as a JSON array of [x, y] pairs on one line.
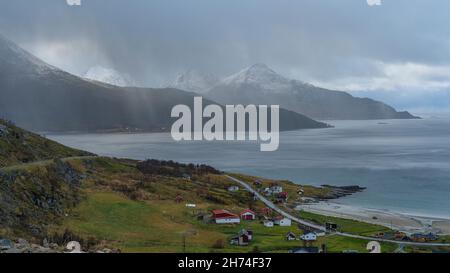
[[341, 191]]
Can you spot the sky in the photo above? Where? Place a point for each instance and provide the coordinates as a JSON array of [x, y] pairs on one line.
[[394, 50]]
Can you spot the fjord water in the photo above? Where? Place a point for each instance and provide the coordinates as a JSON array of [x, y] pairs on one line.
[[405, 164]]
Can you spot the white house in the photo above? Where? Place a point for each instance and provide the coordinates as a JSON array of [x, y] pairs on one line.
[[233, 188], [320, 233], [268, 223], [309, 237], [282, 222], [275, 189]]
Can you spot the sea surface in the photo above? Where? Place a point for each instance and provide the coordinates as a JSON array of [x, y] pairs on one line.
[[405, 164]]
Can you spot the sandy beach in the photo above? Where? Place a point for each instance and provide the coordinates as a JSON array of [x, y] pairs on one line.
[[397, 221]]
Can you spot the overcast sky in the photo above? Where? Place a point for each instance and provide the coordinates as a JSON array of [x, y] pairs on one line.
[[398, 51]]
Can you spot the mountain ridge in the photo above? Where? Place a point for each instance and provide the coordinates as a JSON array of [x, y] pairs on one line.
[[259, 84], [40, 97]]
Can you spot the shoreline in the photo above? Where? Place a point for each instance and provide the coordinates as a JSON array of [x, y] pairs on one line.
[[398, 221]]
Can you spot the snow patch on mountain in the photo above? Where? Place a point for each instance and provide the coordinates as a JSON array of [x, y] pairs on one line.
[[110, 76], [262, 77], [12, 54], [194, 81]]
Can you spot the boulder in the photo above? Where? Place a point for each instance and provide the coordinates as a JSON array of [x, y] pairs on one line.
[[6, 244]]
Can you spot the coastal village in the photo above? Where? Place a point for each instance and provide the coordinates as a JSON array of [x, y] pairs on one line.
[[307, 236]]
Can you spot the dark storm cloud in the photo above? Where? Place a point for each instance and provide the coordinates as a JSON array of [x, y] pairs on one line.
[[341, 44]]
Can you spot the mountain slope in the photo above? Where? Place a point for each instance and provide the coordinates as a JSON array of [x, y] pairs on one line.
[[40, 97], [19, 146], [109, 76], [259, 84], [194, 81]]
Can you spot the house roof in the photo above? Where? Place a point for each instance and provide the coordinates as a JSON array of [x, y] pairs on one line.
[[247, 211], [220, 213]]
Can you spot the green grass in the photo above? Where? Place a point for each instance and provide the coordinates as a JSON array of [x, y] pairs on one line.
[[136, 226], [345, 225]]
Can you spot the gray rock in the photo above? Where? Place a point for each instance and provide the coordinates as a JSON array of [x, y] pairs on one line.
[[22, 244], [45, 243], [6, 244]]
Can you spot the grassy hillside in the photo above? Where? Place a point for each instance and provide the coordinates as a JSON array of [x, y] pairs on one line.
[[20, 146]]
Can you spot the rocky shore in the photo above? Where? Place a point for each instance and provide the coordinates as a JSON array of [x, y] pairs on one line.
[[23, 246], [340, 191]]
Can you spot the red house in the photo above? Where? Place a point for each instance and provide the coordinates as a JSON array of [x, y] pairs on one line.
[[248, 215], [225, 217], [283, 195]]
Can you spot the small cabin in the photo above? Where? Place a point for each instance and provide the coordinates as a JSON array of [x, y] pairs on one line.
[[275, 189], [248, 215], [268, 223], [243, 238], [233, 188], [282, 221], [290, 236]]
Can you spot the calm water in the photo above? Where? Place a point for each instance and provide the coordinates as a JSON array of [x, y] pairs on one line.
[[405, 164]]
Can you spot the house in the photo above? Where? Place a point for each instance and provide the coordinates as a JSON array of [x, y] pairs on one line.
[[400, 235], [243, 238], [248, 215], [275, 189], [329, 226], [282, 221], [305, 250], [225, 217], [319, 233], [290, 236], [186, 176], [309, 237], [233, 188], [268, 223], [282, 197], [300, 192], [421, 237]]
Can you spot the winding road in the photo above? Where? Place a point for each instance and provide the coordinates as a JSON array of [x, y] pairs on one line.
[[271, 205]]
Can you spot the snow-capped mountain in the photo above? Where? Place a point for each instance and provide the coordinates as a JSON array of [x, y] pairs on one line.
[[194, 81], [258, 84], [262, 77], [110, 76], [40, 97], [14, 56]]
